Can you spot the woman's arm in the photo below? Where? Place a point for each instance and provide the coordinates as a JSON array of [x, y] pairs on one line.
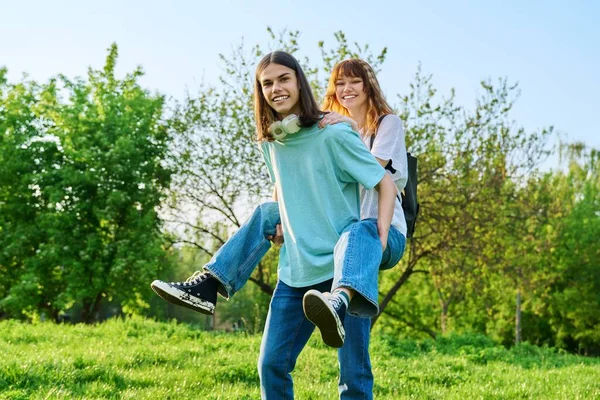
[[382, 162]]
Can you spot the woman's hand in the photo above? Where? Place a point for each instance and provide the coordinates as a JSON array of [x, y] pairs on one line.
[[335, 118], [278, 237]]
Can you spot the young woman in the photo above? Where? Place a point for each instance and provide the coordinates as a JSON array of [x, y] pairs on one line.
[[354, 96], [316, 173]]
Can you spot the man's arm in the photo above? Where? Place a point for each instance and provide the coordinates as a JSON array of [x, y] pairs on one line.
[[387, 192], [278, 237]]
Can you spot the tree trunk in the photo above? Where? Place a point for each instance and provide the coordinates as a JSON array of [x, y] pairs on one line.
[[89, 312], [265, 287], [518, 319], [388, 297], [401, 281], [444, 316]]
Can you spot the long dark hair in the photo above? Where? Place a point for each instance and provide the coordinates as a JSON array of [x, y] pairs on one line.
[[264, 114]]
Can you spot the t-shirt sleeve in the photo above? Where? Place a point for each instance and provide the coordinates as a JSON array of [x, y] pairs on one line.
[[265, 150], [355, 162], [390, 144]]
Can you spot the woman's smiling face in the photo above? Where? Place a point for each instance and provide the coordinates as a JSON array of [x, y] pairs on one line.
[[350, 93]]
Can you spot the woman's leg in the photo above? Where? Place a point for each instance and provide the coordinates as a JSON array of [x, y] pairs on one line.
[[235, 261], [357, 256], [357, 259], [396, 245], [230, 267]]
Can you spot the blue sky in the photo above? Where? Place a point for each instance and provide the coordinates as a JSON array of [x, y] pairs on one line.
[[552, 48]]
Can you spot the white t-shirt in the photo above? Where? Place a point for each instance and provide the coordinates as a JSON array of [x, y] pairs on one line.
[[389, 144]]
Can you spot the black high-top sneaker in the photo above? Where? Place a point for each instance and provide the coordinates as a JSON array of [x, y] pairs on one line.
[[198, 292]]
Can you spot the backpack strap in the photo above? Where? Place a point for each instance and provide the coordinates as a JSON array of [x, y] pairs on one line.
[[389, 164], [372, 140], [411, 206]]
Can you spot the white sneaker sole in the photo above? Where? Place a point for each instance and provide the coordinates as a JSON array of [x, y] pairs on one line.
[[320, 312], [181, 298]]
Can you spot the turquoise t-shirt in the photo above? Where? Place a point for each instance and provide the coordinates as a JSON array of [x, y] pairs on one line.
[[317, 173]]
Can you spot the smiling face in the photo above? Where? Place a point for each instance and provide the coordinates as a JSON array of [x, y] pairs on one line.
[[279, 87], [353, 90], [350, 93]]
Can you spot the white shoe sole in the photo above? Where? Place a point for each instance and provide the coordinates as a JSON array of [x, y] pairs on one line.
[[181, 298], [320, 312]]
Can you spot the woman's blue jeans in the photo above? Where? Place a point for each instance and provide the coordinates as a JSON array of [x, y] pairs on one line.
[[357, 259]]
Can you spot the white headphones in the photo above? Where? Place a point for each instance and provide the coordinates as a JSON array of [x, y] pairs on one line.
[[289, 125]]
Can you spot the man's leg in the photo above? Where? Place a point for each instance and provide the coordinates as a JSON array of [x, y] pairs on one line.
[[356, 377], [230, 267], [286, 332]]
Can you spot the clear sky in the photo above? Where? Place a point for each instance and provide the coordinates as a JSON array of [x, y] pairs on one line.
[[552, 48]]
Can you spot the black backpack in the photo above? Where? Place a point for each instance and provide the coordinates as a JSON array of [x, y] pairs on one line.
[[410, 204]]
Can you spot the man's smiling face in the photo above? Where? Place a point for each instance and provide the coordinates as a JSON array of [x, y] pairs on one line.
[[280, 89]]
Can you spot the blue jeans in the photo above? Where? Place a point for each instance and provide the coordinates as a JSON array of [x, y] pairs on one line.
[[235, 261], [358, 257], [286, 333]]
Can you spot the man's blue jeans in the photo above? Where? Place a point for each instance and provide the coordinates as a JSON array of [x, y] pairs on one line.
[[286, 333], [358, 257]]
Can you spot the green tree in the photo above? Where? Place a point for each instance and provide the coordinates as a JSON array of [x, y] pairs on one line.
[[467, 159], [29, 160], [575, 291], [96, 196]]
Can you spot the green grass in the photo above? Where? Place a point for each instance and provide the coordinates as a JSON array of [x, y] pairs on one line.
[[143, 359]]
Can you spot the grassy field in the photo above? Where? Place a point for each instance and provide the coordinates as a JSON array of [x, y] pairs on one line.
[[143, 359]]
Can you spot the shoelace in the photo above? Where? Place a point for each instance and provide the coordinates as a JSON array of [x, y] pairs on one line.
[[336, 301], [196, 278]]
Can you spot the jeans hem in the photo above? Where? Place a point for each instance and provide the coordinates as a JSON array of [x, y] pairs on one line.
[[219, 277], [364, 310]]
